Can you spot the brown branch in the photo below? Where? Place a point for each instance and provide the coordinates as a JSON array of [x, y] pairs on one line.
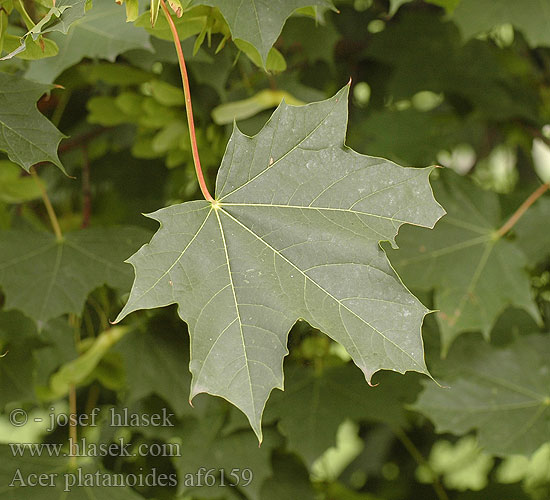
[[86, 192], [536, 133], [73, 435], [518, 214], [420, 460], [78, 140], [48, 205]]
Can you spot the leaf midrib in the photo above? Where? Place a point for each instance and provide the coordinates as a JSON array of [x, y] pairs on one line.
[[229, 272]]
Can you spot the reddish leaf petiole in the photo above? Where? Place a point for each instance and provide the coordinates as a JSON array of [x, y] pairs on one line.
[[188, 107]]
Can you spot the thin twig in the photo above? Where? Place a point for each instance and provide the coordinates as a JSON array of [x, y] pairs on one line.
[[535, 132], [420, 460], [78, 140], [86, 191], [188, 107], [510, 223], [60, 108], [73, 434], [48, 205], [75, 142], [93, 398]]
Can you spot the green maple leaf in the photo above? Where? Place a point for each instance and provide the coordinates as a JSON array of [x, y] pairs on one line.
[[102, 33], [312, 407], [45, 278], [26, 135], [258, 22], [504, 394], [294, 233], [475, 274], [18, 476], [530, 16]]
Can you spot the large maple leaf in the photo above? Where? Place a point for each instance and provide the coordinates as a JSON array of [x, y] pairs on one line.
[[293, 233]]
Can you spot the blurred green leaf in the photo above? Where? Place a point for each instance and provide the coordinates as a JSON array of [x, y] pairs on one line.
[[463, 465], [76, 371], [32, 49], [166, 94], [475, 274], [534, 242], [26, 136], [14, 188], [102, 33], [313, 406], [529, 16], [503, 394], [69, 269], [239, 110], [59, 18], [163, 368], [258, 23]]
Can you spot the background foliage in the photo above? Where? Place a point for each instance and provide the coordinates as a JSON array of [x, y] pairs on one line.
[[464, 84]]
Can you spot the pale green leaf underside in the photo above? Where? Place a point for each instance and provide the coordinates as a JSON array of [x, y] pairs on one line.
[[502, 393], [259, 22], [295, 234], [470, 270], [26, 135], [44, 278]]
